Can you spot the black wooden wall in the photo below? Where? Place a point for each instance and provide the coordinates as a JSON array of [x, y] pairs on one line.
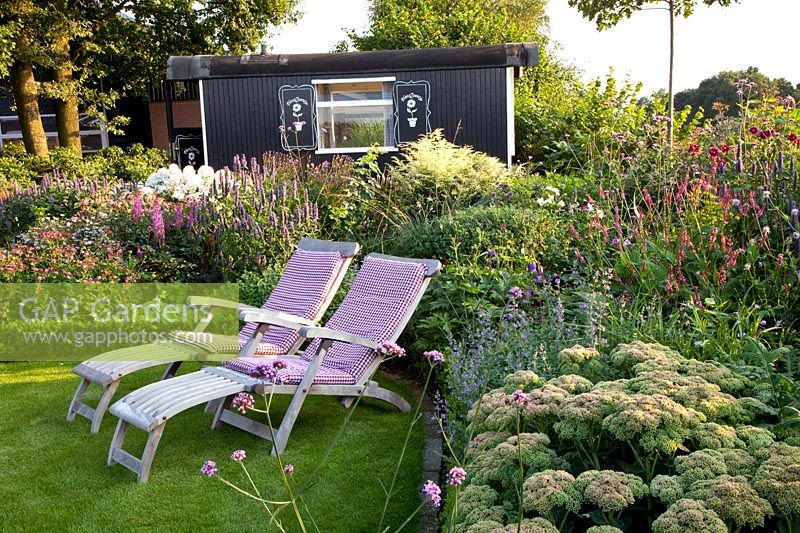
[[242, 114]]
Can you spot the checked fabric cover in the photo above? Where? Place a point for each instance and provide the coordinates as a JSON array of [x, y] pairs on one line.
[[381, 295], [301, 291]]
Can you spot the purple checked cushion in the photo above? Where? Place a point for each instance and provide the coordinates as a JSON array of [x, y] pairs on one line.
[[301, 291], [294, 371], [382, 293]]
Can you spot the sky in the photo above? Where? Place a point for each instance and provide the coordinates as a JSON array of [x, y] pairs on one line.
[[760, 33]]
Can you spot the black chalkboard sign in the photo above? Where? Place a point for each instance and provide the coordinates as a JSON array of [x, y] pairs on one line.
[[298, 117], [411, 110], [189, 147]]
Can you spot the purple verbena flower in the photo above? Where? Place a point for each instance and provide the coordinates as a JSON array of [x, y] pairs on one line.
[[243, 402], [264, 371], [433, 493], [238, 456], [515, 293], [456, 476], [209, 468], [392, 349], [520, 398], [434, 356], [279, 365], [288, 469]]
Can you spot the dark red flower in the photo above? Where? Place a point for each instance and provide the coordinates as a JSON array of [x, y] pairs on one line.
[[725, 148], [766, 134], [794, 139], [693, 149], [753, 130], [714, 152]]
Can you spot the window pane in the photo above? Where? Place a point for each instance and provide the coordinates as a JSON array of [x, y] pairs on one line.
[[91, 142], [350, 92], [355, 127]]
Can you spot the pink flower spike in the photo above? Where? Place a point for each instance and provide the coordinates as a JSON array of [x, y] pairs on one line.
[[209, 468], [456, 476], [238, 456], [433, 493]]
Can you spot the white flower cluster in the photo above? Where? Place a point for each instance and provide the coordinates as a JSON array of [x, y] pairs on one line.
[[552, 199], [179, 184]]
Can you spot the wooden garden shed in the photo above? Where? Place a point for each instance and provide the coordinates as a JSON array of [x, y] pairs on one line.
[[342, 103]]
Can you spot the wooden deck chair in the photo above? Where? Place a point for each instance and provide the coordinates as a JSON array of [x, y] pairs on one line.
[[339, 361], [302, 295]]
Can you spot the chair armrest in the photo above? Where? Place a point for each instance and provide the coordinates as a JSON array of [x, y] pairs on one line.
[[284, 320], [218, 302], [340, 336]]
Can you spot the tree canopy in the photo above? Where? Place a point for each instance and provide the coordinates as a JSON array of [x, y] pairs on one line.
[[396, 24]]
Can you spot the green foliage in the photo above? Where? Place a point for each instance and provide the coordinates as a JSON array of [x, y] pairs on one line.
[[398, 24], [608, 13], [434, 176], [133, 164], [689, 516]]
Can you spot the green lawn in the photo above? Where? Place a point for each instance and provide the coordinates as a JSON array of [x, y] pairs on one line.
[[53, 474]]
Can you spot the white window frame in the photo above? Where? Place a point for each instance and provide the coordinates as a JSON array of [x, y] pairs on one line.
[[354, 103], [50, 134]]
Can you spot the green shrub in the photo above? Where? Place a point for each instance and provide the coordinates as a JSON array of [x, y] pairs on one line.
[[519, 235], [434, 176]]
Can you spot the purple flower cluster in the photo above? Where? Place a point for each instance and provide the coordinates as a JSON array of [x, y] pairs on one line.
[[456, 476], [243, 401], [392, 349], [288, 469], [209, 468], [238, 456], [433, 493], [434, 356], [520, 398], [157, 223]]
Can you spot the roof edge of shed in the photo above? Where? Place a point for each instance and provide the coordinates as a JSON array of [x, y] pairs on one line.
[[184, 68]]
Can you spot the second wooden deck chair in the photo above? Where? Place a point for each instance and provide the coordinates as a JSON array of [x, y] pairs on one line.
[[302, 295], [339, 361]]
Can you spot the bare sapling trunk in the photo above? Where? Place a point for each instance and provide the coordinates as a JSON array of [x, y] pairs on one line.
[[671, 93]]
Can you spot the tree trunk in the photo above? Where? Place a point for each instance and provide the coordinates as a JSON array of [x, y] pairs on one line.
[[26, 98], [69, 130], [67, 107], [671, 93]]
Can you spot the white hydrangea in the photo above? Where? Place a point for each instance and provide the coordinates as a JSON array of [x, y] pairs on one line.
[[178, 184]]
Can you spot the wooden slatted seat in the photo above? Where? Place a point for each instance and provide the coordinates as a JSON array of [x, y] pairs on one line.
[[302, 295]]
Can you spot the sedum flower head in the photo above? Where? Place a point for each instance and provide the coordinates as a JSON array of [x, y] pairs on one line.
[[668, 489], [576, 355], [532, 525], [689, 516], [544, 402], [581, 416], [521, 379], [546, 490], [664, 382], [733, 499], [700, 465], [739, 462], [485, 441], [502, 463], [485, 526], [727, 380], [572, 383], [604, 529], [715, 436], [778, 478], [610, 490], [655, 422], [493, 412], [654, 365], [625, 356], [716, 405], [755, 437], [476, 503]]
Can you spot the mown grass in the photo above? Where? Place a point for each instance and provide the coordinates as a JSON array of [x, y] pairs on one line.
[[53, 474]]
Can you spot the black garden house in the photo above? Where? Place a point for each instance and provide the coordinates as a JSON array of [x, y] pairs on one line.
[[341, 103]]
